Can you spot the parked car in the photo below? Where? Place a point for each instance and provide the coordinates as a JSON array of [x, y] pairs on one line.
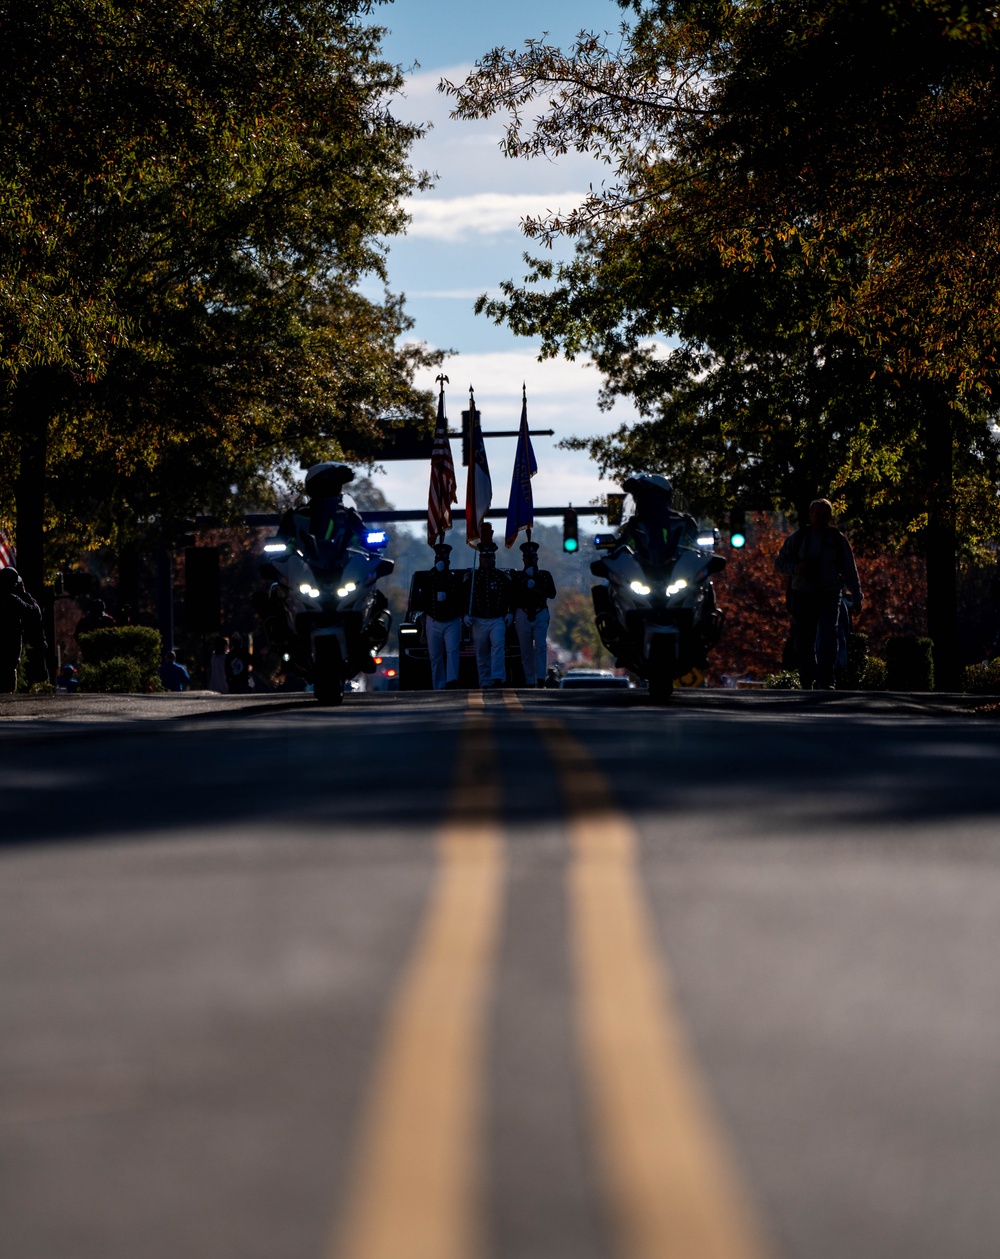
[[594, 677]]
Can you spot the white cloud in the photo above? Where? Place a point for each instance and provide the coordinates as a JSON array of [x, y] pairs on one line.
[[482, 213]]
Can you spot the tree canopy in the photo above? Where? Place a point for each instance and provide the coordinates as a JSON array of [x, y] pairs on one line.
[[190, 195], [792, 266]]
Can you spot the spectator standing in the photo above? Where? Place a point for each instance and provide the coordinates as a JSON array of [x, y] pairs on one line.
[[239, 667], [20, 621], [217, 666], [173, 675], [95, 618], [818, 562]]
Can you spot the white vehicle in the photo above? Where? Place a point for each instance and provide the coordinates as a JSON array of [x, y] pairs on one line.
[[657, 613]]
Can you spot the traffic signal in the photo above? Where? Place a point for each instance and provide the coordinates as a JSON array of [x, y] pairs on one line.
[[737, 528], [571, 542]]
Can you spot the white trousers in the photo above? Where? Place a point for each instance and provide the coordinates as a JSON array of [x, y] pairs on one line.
[[488, 636], [443, 641], [532, 637]]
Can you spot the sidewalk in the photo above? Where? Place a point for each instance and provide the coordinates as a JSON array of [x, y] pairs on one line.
[[31, 716]]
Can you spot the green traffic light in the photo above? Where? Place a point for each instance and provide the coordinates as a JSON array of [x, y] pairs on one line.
[[737, 541], [570, 544]]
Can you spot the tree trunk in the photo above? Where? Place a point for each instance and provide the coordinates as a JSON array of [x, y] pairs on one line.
[[32, 419], [941, 549]]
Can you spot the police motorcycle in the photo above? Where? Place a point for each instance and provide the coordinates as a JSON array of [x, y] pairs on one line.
[[656, 612], [322, 610]]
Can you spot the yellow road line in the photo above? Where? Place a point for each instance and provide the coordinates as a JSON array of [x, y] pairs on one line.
[[513, 702], [417, 1190], [673, 1190]]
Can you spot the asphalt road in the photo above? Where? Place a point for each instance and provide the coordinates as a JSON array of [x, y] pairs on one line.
[[519, 976]]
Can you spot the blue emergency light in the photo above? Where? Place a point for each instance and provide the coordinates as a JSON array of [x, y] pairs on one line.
[[375, 538]]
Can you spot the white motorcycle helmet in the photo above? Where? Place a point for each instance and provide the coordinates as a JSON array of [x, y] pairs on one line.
[[327, 480]]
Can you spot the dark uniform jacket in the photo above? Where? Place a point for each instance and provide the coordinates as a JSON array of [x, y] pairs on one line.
[[441, 596], [534, 596], [491, 593], [20, 618]]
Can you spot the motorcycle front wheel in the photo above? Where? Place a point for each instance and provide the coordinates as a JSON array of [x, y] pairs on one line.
[[328, 675], [661, 671]]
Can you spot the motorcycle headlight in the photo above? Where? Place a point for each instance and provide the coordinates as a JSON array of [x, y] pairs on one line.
[[305, 588], [343, 592], [639, 588], [675, 586]]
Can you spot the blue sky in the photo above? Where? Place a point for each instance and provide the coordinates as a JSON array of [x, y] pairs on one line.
[[465, 239]]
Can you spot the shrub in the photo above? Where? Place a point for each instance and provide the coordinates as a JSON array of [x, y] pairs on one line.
[[116, 675], [786, 680], [131, 642], [107, 652], [42, 688], [873, 675], [909, 664], [983, 679]]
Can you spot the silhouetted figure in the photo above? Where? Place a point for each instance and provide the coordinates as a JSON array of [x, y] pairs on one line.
[[819, 563], [96, 618], [20, 623]]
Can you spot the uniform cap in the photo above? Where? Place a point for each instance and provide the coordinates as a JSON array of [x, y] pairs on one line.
[[442, 550], [529, 548], [9, 577]]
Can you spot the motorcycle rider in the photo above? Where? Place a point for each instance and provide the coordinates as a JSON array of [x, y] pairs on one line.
[[443, 597], [324, 525], [531, 590], [655, 530]]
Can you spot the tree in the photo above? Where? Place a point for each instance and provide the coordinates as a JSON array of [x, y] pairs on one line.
[[190, 194], [747, 220]]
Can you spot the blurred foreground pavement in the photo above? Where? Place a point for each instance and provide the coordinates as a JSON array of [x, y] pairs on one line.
[[534, 975]]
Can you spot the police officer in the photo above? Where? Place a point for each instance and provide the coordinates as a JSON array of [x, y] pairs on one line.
[[491, 615], [443, 597], [326, 524], [20, 619], [531, 589]]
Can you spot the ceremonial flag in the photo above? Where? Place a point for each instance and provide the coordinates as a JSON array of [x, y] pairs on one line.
[[521, 507], [443, 489], [7, 556], [479, 487]]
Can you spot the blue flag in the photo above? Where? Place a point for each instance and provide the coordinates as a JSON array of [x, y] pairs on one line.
[[521, 507]]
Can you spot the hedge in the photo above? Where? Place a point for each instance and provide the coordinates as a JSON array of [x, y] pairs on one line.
[[125, 658]]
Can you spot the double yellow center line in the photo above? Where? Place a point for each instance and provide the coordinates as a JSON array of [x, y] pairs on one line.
[[671, 1188]]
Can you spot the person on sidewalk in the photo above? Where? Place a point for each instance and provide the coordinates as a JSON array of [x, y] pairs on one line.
[[491, 615], [531, 590], [20, 622], [818, 562], [173, 675]]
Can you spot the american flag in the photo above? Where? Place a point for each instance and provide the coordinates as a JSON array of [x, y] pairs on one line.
[[443, 489], [7, 557], [479, 487]]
